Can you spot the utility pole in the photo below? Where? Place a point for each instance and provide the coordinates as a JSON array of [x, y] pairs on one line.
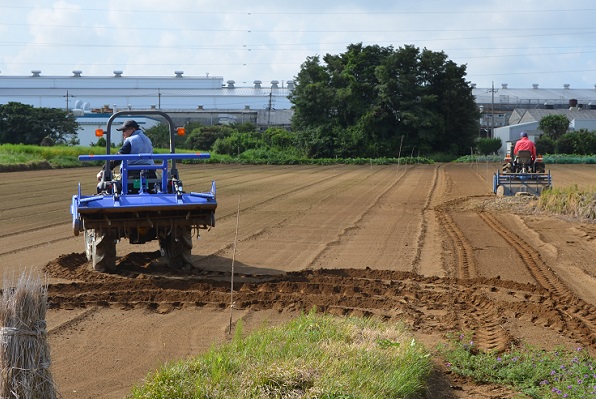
[[67, 97], [269, 110], [492, 109]]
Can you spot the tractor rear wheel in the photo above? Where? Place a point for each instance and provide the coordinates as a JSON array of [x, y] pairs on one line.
[[176, 248], [101, 249], [500, 191]]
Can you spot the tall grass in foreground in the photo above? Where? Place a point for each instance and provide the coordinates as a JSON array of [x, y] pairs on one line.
[[24, 350], [536, 373], [313, 356], [572, 201]]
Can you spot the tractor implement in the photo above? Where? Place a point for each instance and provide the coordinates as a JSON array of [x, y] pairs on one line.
[[145, 202], [522, 176], [509, 184]]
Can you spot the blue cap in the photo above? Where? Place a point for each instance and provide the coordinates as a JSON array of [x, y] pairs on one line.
[[523, 134]]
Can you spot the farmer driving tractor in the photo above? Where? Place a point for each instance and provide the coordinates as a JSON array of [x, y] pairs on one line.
[[524, 151]]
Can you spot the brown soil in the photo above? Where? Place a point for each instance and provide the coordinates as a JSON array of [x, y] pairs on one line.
[[427, 244]]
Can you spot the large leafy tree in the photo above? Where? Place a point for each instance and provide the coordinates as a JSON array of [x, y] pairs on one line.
[[371, 100], [554, 125], [25, 124]]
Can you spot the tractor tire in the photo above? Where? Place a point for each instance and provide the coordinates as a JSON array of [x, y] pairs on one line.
[[507, 168], [103, 252], [176, 248], [500, 191], [540, 168]]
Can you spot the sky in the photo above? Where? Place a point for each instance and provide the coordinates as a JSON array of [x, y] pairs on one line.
[[520, 43]]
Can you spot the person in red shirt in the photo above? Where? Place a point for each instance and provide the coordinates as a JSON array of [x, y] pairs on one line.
[[524, 144]]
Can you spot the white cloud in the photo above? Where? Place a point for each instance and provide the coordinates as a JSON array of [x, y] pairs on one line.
[[520, 43]]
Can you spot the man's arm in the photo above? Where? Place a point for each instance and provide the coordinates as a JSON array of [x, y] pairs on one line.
[[125, 149]]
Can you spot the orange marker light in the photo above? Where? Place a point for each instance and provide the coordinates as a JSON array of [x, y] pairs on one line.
[[180, 131], [98, 132]]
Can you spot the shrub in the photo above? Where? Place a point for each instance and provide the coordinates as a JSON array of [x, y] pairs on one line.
[[567, 144], [101, 142], [545, 145], [47, 142], [278, 138], [488, 146], [235, 144], [204, 138]]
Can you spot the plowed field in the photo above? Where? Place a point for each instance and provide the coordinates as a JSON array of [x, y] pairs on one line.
[[427, 244]]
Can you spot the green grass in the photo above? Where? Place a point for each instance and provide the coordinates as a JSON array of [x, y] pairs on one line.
[[19, 157], [322, 356], [22, 157], [15, 157], [313, 356], [534, 372]]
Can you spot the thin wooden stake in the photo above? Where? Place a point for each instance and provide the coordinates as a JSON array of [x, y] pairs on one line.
[[233, 259]]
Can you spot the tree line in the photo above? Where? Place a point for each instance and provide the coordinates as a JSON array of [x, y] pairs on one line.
[[25, 124]]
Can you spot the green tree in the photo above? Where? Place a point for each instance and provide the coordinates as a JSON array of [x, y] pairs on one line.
[[588, 141], [278, 138], [160, 136], [567, 144], [204, 137], [581, 142], [488, 146], [25, 124], [244, 127], [545, 145], [365, 101], [554, 125], [236, 144]]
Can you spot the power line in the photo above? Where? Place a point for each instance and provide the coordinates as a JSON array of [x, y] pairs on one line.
[[358, 13]]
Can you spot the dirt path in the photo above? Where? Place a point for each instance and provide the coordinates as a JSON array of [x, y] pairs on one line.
[[428, 244]]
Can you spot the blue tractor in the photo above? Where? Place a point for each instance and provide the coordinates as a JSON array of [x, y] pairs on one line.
[[142, 203]]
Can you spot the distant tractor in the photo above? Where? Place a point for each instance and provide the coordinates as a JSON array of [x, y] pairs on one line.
[[141, 206], [521, 176]]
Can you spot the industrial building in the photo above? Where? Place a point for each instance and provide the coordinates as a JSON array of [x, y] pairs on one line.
[[206, 99]]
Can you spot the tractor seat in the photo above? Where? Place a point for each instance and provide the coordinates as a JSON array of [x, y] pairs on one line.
[[524, 157]]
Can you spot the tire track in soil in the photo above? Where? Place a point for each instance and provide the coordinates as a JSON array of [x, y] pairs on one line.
[[424, 220], [463, 251], [427, 303], [573, 313], [483, 318]]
